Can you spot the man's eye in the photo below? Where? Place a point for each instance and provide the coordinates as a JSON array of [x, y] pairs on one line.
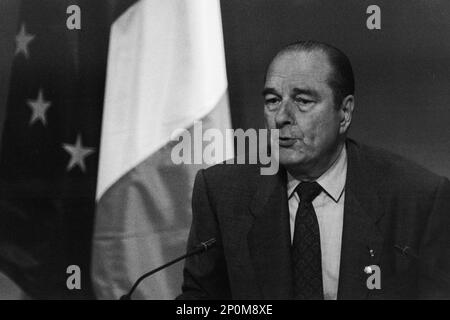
[[271, 100], [302, 100]]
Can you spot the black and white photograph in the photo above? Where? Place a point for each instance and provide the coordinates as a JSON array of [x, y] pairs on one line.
[[222, 150]]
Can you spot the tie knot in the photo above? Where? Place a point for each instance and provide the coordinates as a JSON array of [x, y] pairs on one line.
[[308, 191]]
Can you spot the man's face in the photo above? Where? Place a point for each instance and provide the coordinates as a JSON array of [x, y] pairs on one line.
[[299, 102]]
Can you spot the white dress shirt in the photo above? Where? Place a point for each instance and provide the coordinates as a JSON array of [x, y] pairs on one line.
[[329, 207]]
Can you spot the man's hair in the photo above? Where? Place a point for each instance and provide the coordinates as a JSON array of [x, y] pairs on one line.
[[341, 80]]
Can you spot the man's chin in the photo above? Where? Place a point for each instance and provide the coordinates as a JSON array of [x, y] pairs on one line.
[[290, 158]]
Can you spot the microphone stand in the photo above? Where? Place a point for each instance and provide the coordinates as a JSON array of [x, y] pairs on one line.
[[202, 247]]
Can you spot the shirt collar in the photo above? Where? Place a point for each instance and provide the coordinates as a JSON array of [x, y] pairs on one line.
[[332, 180]]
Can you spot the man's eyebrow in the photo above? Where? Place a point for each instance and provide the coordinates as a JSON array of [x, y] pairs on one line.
[[308, 92], [269, 91]]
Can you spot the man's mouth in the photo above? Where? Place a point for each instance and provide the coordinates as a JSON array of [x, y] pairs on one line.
[[286, 141]]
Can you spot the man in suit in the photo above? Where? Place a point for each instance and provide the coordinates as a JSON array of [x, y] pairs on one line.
[[340, 220]]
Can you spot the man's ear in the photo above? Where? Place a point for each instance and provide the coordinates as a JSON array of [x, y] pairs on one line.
[[346, 111]]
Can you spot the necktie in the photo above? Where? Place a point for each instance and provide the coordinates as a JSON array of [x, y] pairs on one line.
[[306, 252]]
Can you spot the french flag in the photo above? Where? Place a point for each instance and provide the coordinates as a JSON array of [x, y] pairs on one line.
[[166, 70]]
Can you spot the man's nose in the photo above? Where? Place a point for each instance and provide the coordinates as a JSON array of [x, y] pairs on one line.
[[284, 115]]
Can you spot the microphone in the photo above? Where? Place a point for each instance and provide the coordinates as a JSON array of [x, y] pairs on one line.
[[407, 251], [200, 248], [426, 270]]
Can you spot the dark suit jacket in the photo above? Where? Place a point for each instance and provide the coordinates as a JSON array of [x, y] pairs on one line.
[[389, 201]]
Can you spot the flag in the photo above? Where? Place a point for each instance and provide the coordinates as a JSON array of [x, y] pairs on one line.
[[166, 70], [50, 145]]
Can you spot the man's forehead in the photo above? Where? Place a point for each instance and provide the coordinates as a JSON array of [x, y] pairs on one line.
[[299, 67]]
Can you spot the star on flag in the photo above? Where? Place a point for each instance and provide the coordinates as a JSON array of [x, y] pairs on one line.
[[78, 153], [39, 108], [23, 39]]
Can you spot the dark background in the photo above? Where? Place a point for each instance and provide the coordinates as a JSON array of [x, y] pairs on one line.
[[402, 71]]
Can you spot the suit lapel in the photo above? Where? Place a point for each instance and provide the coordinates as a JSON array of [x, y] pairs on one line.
[[362, 240], [269, 237]]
